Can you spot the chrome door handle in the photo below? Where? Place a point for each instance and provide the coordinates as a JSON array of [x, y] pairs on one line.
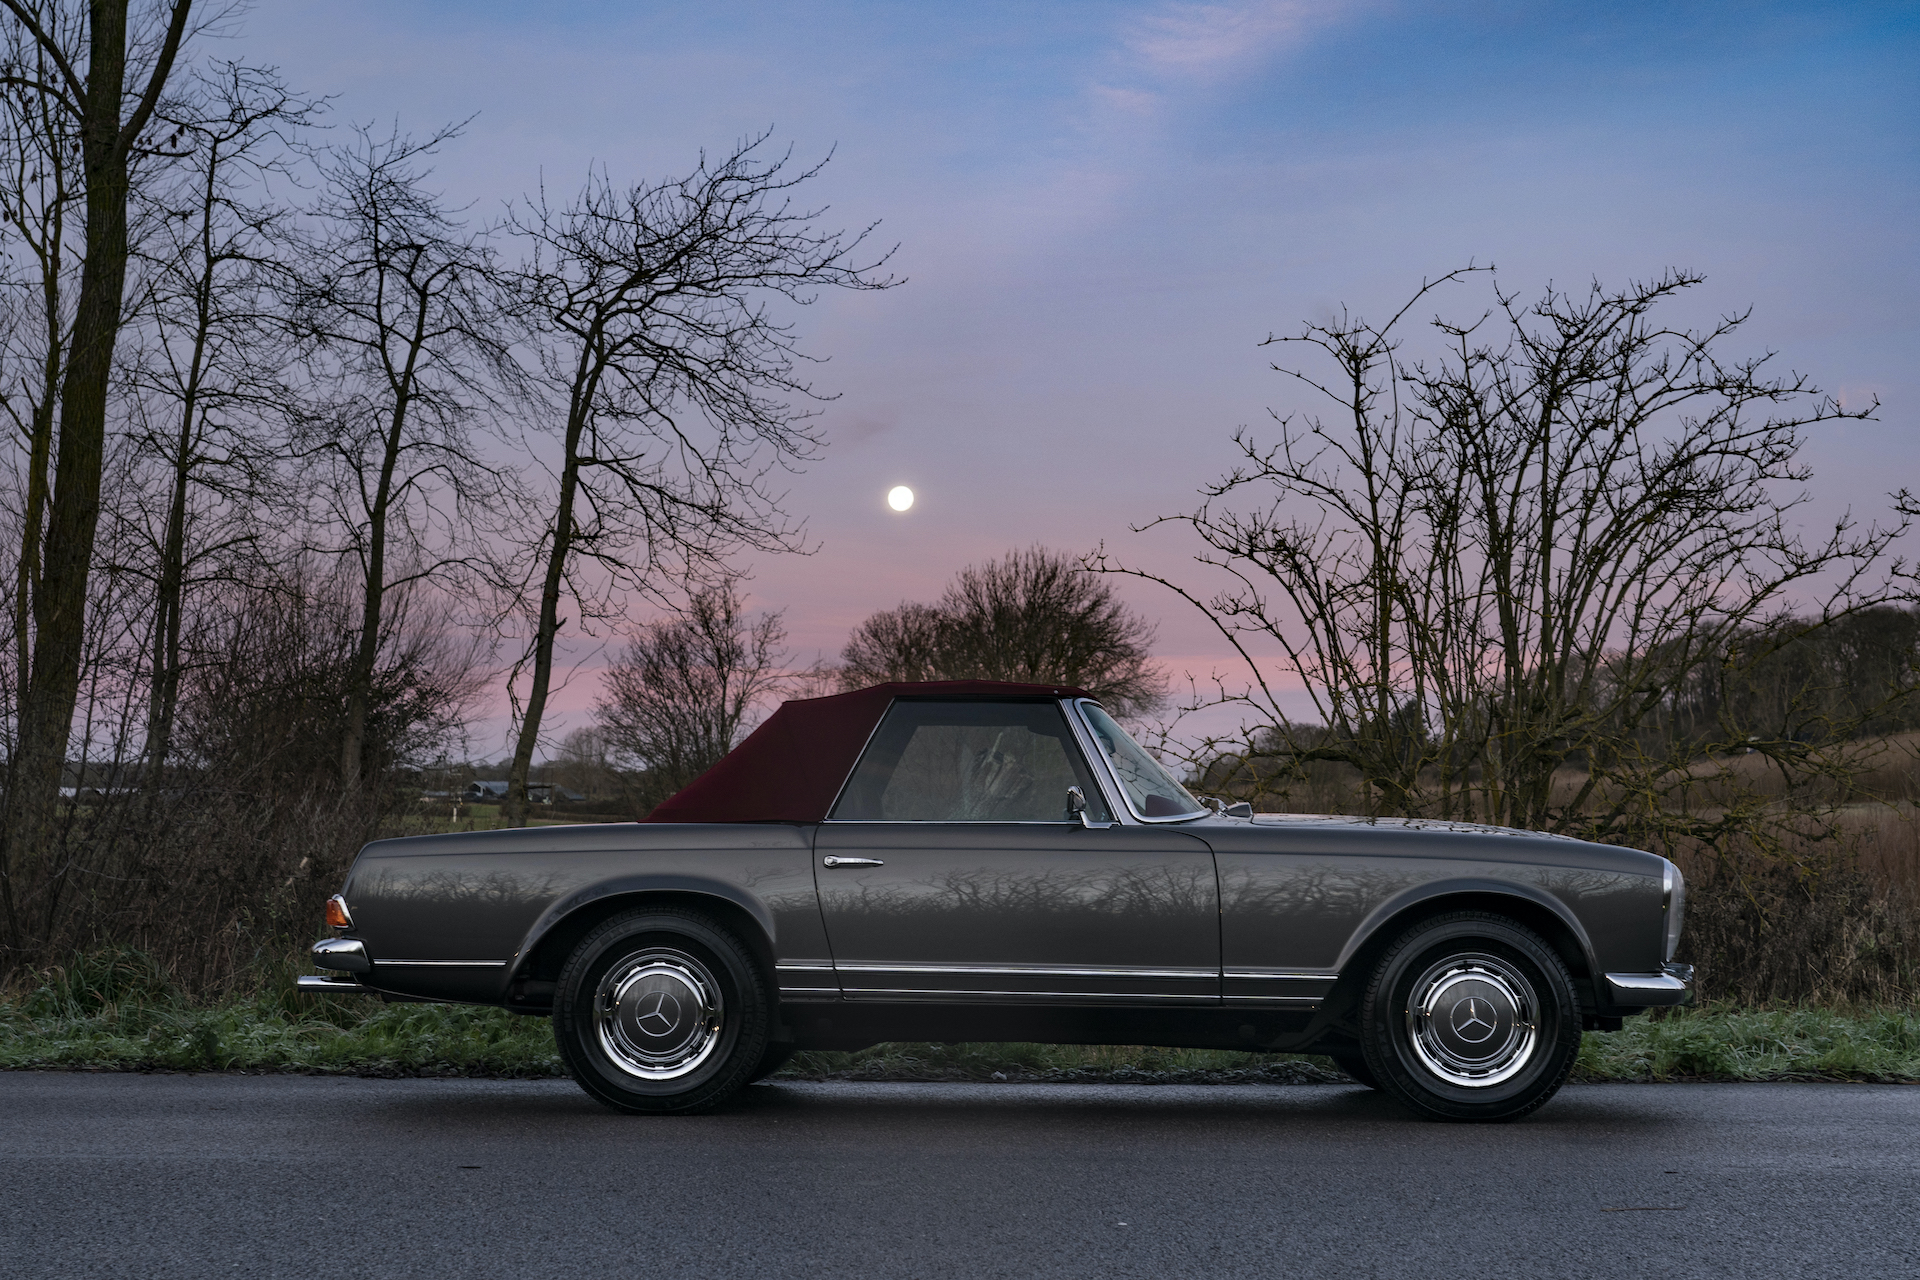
[[835, 860]]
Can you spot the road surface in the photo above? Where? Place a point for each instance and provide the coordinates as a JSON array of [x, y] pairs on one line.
[[313, 1177]]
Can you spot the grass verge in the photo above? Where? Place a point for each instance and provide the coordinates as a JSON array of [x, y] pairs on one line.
[[128, 1025]]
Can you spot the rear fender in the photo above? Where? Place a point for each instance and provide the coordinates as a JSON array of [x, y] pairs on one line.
[[568, 918]]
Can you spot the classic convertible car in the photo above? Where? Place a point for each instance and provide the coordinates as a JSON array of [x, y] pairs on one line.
[[972, 860]]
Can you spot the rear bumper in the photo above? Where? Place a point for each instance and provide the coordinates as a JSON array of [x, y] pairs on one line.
[[336, 983], [348, 960], [343, 955], [1673, 985]]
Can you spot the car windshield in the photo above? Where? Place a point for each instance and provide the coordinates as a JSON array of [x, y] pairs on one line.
[[1151, 790]]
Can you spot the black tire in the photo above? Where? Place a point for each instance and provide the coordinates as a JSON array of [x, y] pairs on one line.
[[1354, 1063], [662, 1010], [1470, 1016], [776, 1056]]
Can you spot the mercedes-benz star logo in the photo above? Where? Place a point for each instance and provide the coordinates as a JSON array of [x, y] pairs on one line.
[[1471, 1013], [660, 1013]]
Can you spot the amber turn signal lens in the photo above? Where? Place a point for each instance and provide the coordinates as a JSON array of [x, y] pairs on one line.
[[337, 913]]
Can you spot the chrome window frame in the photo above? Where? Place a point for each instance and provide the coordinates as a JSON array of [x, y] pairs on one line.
[[1103, 769]]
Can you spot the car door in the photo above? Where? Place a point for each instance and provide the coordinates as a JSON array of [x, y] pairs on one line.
[[952, 869]]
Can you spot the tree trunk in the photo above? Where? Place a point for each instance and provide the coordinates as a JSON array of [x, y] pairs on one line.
[[366, 657], [165, 694], [59, 607], [514, 811]]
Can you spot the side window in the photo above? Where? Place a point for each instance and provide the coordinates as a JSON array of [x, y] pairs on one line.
[[969, 762]]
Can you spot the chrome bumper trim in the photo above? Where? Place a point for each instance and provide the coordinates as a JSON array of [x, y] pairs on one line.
[[345, 955], [338, 986], [1673, 985]]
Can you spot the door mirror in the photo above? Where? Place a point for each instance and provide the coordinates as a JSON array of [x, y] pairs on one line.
[[1077, 806]]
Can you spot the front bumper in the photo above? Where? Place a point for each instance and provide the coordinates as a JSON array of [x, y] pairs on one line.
[[1673, 985]]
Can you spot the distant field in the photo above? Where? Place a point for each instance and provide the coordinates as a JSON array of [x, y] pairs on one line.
[[437, 818]]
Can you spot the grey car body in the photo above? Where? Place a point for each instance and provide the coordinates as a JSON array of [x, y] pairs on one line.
[[1102, 924]]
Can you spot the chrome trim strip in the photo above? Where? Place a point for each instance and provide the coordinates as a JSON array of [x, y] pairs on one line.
[[1274, 976], [958, 822], [442, 964], [1104, 997], [803, 966], [1305, 1002], [1021, 971], [810, 991]]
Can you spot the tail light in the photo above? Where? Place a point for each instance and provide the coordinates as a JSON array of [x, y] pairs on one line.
[[337, 914]]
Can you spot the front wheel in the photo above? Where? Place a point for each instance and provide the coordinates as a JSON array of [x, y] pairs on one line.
[[1470, 1016], [661, 1010]]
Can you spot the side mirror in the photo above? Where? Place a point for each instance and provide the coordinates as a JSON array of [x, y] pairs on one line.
[[1077, 806]]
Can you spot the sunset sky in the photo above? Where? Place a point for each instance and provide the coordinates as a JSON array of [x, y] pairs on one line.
[[1102, 208]]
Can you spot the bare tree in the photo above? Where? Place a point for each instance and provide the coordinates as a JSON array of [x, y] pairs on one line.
[[903, 643], [585, 762], [108, 93], [268, 707], [688, 688], [1035, 616], [410, 352], [672, 384], [40, 193], [209, 402], [1500, 573]]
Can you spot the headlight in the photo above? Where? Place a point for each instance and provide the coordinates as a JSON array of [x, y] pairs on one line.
[[1674, 903]]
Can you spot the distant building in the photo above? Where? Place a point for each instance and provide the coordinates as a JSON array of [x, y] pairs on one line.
[[537, 793]]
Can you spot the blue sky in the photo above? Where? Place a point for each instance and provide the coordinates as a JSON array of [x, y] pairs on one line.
[[1104, 207]]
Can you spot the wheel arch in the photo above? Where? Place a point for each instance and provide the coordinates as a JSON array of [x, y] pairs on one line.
[[560, 929], [1537, 910]]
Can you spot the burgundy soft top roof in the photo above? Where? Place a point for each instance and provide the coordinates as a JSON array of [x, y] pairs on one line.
[[791, 767]]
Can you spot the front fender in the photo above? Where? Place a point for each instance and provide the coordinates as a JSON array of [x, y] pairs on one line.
[[1472, 891]]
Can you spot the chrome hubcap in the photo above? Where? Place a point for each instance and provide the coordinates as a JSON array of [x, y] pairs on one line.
[[658, 1014], [1473, 1020]]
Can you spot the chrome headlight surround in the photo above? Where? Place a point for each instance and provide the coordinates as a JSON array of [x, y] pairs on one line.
[[1673, 907]]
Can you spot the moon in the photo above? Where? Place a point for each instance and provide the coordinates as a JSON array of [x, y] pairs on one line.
[[900, 497]]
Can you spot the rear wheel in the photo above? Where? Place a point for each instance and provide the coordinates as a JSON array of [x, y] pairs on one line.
[[1470, 1016], [661, 1010]]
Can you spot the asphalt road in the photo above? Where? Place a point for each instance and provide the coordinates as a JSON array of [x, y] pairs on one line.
[[158, 1176]]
